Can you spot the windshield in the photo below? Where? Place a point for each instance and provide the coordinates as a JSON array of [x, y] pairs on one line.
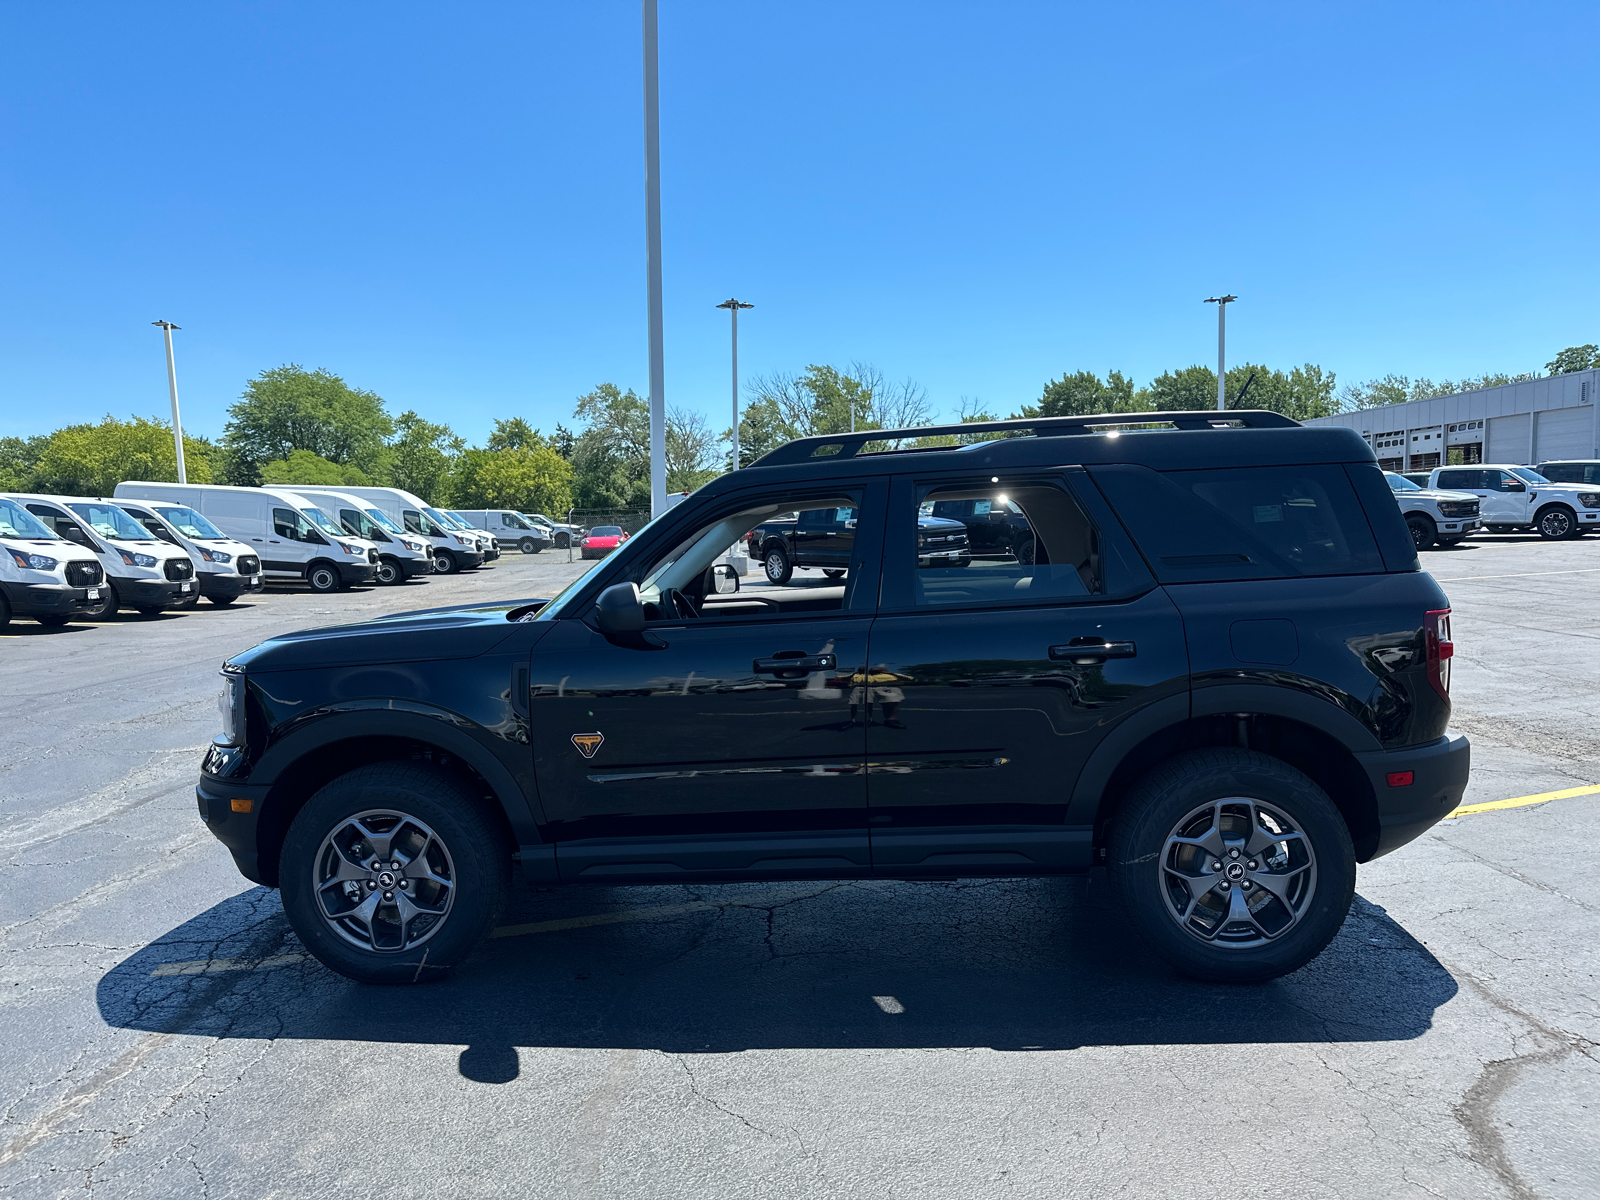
[[18, 522], [443, 519], [1400, 483], [384, 519], [323, 522], [109, 521], [606, 531], [189, 523], [513, 521], [1528, 476]]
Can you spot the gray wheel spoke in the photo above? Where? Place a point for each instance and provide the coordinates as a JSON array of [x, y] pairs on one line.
[[1261, 841], [1239, 911], [361, 912], [387, 879], [1280, 885], [378, 841]]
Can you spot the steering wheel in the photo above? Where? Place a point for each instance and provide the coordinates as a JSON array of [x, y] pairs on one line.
[[680, 605]]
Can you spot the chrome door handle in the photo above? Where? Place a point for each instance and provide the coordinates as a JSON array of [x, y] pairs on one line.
[[1086, 651]]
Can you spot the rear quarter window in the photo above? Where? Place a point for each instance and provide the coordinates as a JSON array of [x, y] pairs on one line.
[[1243, 522]]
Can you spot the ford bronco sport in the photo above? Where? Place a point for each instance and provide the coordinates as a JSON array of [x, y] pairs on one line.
[[1220, 674]]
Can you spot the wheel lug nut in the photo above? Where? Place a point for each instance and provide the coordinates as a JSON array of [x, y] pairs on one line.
[[395, 865], [371, 886], [388, 895], [1254, 864], [1245, 885], [1216, 866], [404, 884], [1224, 885], [1233, 853]]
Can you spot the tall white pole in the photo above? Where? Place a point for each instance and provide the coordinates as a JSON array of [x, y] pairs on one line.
[[1222, 303], [172, 386], [1222, 356], [652, 222], [735, 387]]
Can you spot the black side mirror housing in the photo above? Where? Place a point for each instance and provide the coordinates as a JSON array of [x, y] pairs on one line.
[[619, 610], [73, 534], [1516, 487], [315, 538]]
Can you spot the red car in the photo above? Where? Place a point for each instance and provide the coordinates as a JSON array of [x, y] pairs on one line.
[[602, 540]]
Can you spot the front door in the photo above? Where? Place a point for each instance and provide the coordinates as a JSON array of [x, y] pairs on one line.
[[720, 742], [825, 537], [1502, 497], [989, 685]]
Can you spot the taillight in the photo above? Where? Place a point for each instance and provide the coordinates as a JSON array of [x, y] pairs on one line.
[[1436, 631]]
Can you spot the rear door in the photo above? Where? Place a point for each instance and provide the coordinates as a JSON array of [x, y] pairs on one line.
[[825, 537], [989, 686]]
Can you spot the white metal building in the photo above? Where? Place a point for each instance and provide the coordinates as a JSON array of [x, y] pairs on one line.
[[1524, 423]]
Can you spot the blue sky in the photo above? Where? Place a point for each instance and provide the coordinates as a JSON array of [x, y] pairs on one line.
[[445, 203]]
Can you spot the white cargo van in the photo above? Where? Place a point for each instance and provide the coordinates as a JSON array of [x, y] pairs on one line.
[[295, 540], [510, 528], [224, 569], [451, 550], [486, 542], [401, 556], [142, 572], [42, 575]]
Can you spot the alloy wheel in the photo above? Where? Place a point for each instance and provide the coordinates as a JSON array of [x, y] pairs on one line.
[[775, 565], [383, 881], [1237, 873]]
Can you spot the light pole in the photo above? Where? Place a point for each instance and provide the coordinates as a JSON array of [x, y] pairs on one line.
[[172, 386], [1222, 303], [1221, 343], [733, 306], [652, 238]]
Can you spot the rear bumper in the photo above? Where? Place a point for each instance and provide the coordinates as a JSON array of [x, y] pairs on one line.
[[216, 583], [1439, 772], [49, 599]]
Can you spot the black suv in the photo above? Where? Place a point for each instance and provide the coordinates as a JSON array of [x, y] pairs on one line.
[[1221, 674]]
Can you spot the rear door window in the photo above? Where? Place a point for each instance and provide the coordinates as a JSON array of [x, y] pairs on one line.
[[1243, 522]]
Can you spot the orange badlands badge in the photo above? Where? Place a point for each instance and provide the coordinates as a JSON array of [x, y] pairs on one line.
[[587, 743]]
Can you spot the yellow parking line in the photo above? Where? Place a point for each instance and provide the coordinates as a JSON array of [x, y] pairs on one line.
[[1466, 810]]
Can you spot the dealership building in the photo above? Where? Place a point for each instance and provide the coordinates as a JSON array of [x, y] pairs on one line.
[[1523, 423]]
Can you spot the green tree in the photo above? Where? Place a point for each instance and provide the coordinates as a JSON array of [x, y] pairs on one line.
[[692, 457], [1184, 391], [420, 455], [289, 408], [523, 478], [19, 462], [513, 434], [611, 456], [303, 468], [1084, 394], [90, 460], [1574, 358]]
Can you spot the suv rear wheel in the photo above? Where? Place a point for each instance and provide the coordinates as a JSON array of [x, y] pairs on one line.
[[391, 874], [1235, 867], [777, 565]]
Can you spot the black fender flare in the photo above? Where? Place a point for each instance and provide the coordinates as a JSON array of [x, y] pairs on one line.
[[1220, 700], [413, 721]]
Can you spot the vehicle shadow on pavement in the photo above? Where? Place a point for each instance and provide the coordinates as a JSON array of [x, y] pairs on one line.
[[1042, 964]]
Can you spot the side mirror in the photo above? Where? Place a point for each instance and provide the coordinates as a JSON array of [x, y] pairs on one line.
[[73, 534], [724, 580], [1516, 487], [618, 609], [315, 538]]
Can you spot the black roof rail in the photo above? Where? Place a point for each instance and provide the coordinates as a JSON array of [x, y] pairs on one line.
[[833, 446]]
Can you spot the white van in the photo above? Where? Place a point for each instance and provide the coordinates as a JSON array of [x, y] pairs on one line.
[[401, 556], [142, 572], [512, 528], [486, 542], [295, 539], [452, 550], [224, 569], [42, 575]]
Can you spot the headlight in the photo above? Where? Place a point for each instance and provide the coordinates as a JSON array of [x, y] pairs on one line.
[[137, 560], [230, 704], [417, 546], [1590, 499], [216, 556], [463, 540], [349, 549], [33, 562]]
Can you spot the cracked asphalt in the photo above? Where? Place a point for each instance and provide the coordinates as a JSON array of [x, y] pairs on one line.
[[163, 1034]]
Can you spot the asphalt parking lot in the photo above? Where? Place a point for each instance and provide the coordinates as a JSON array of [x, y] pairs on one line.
[[165, 1037]]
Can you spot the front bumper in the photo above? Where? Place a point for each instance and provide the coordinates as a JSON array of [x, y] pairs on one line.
[[235, 830], [410, 568], [1460, 528], [153, 593], [1439, 773], [357, 573], [50, 599], [228, 584]]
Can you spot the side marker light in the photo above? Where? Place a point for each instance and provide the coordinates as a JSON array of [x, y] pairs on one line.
[[245, 806], [1393, 778]]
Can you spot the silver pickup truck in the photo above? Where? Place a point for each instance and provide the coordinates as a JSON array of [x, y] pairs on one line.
[[1434, 516]]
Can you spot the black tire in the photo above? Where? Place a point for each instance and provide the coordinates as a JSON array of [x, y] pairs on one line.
[[390, 571], [322, 577], [222, 601], [529, 546], [476, 863], [192, 600], [1498, 528], [835, 575], [1556, 523], [5, 611], [775, 562], [1451, 541], [1423, 531], [106, 610], [149, 610], [445, 563], [1148, 881], [53, 620]]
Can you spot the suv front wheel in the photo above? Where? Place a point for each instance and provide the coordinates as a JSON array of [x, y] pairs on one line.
[[1235, 867], [391, 874]]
